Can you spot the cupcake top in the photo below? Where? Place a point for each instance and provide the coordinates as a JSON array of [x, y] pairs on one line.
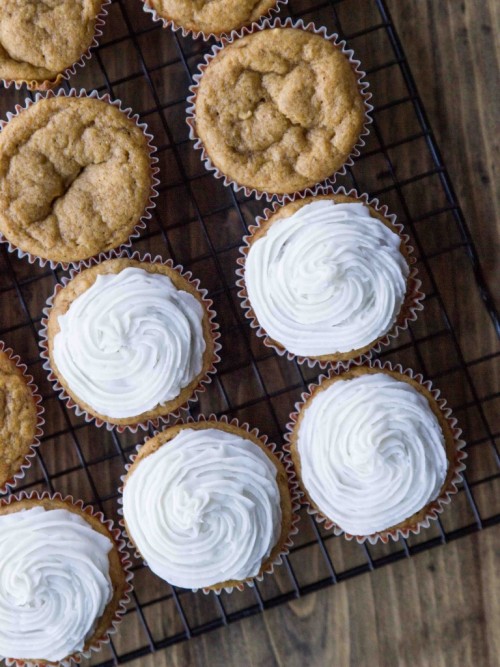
[[202, 503], [370, 450], [39, 40], [279, 110], [129, 340], [55, 583], [18, 418], [326, 277], [211, 16], [75, 178]]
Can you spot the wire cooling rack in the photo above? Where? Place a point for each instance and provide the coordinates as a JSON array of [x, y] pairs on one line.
[[199, 223]]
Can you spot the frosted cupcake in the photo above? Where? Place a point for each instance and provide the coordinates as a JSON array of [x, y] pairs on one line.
[[375, 452], [328, 277], [63, 581], [207, 505], [130, 340]]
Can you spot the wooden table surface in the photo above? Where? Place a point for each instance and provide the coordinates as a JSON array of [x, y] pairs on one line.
[[441, 608]]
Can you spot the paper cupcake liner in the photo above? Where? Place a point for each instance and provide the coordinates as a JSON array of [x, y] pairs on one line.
[[205, 36], [238, 34], [413, 299], [146, 216], [40, 421], [433, 509], [157, 421], [121, 609], [293, 488], [69, 71]]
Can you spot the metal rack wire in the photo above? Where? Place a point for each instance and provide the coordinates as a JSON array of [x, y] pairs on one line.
[[199, 223]]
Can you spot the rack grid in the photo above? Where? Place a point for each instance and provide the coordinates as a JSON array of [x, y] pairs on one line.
[[199, 224]]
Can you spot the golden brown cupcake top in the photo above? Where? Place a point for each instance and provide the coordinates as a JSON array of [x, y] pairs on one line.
[[75, 178], [18, 418], [279, 110], [40, 39], [211, 16]]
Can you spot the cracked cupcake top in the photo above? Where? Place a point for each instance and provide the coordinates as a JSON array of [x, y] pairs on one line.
[[211, 16], [75, 178], [41, 38], [279, 110]]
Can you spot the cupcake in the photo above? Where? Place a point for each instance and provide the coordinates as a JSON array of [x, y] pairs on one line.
[[63, 585], [41, 42], [129, 340], [327, 277], [278, 110], [208, 505], [208, 18], [76, 175], [20, 418], [376, 452]]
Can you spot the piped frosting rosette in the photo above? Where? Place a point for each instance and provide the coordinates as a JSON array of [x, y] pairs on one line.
[[227, 41], [221, 505], [154, 181], [328, 276], [129, 341], [14, 465], [376, 451], [65, 580]]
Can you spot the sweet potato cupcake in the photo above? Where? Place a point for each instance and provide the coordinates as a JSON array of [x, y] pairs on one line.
[[327, 277], [376, 452], [278, 110], [20, 418], [130, 340], [40, 42], [209, 18], [76, 177], [64, 581], [208, 505]]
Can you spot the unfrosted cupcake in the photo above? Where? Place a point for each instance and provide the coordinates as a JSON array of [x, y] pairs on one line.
[[327, 277], [207, 505], [76, 176], [63, 581], [40, 41], [209, 17], [375, 451], [130, 340], [278, 110], [20, 417]]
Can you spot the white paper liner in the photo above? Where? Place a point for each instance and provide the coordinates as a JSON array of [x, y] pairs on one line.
[[40, 421], [204, 381], [121, 609], [154, 169], [238, 34], [69, 71], [434, 508], [205, 36], [293, 488], [413, 299]]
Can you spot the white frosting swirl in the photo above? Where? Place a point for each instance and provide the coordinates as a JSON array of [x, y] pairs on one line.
[[329, 279], [129, 343], [372, 452], [54, 583], [204, 508]]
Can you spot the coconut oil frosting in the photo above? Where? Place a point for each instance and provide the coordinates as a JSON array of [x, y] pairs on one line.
[[372, 452], [54, 583], [328, 279], [204, 508], [130, 342]]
